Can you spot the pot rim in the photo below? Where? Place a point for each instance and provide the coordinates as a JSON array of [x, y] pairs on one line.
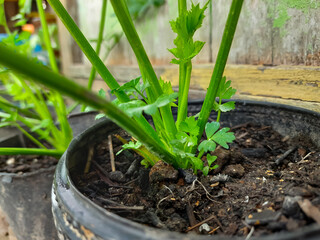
[[138, 229]]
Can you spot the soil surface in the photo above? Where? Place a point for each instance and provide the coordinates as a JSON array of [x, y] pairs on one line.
[[266, 183], [25, 163]]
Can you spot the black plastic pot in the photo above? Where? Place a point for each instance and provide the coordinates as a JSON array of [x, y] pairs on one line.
[[25, 198], [76, 217]]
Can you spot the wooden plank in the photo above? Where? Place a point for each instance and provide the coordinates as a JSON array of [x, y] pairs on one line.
[[286, 82], [281, 82], [262, 36], [64, 39]]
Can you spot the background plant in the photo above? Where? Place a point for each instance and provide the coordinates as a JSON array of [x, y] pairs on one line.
[[40, 114], [175, 142]]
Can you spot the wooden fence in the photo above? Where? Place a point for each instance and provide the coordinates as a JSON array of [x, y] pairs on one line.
[[275, 54]]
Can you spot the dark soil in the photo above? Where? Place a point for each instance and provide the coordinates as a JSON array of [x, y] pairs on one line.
[[264, 180], [24, 164]]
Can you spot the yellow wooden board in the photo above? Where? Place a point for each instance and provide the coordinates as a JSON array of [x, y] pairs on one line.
[[293, 85], [286, 82]]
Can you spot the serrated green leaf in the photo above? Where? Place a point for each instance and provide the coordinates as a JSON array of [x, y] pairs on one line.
[[214, 167], [130, 145], [167, 89], [44, 124], [182, 137], [211, 159], [228, 106], [100, 115], [228, 93], [102, 93], [166, 86], [207, 145], [225, 89], [194, 17], [222, 137], [132, 108], [196, 163], [143, 86], [211, 128], [185, 26], [205, 171], [145, 163], [135, 108], [225, 107], [128, 86], [189, 125]]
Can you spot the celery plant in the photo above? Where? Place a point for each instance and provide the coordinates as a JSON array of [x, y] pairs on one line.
[[176, 142]]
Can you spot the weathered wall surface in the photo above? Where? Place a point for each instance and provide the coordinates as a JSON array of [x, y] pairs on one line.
[[275, 55], [270, 32]]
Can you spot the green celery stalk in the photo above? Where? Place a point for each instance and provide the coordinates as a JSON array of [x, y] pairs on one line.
[[147, 71], [86, 48], [23, 111], [220, 64], [29, 123], [100, 38], [60, 107], [182, 112], [31, 151], [53, 80], [96, 61]]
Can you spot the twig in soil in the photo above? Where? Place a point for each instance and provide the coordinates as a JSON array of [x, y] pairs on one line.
[[310, 210], [136, 208], [213, 230], [242, 135], [88, 164], [250, 233], [103, 174], [207, 193], [251, 230], [113, 165], [204, 221], [108, 201], [280, 159], [191, 217], [133, 167], [163, 199], [306, 156], [119, 206], [132, 181], [239, 126]]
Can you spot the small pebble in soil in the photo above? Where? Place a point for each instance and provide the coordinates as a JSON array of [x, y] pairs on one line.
[[204, 228], [290, 206], [219, 178], [10, 161], [263, 217], [235, 170], [188, 175], [117, 176]]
